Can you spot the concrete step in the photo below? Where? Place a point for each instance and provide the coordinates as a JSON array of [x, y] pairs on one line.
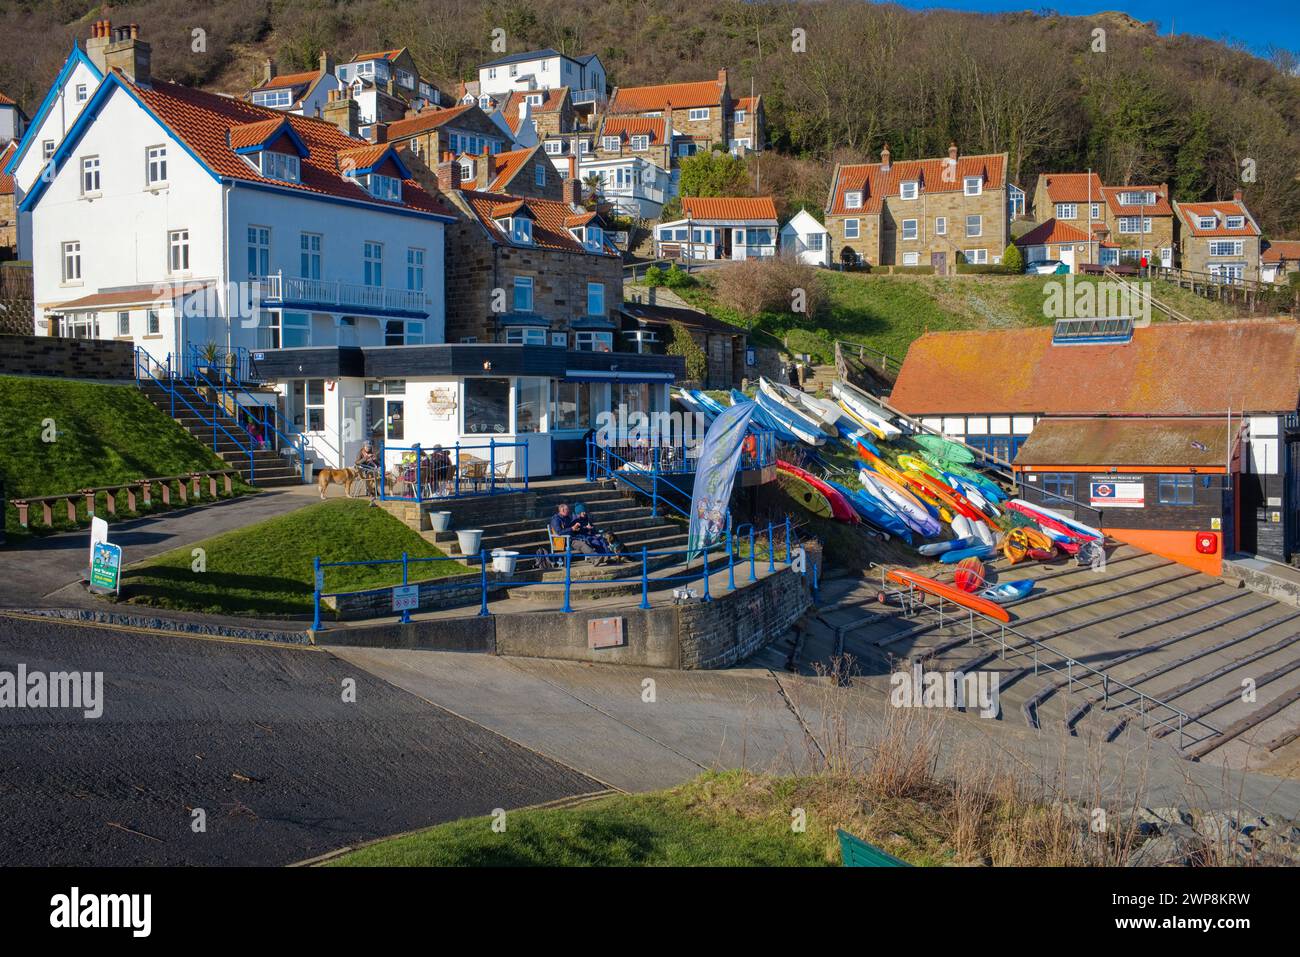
[[618, 522]]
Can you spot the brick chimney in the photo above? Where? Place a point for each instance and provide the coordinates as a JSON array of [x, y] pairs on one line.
[[326, 63], [100, 32], [127, 52], [269, 70], [342, 111], [484, 170], [722, 77], [572, 190], [379, 132], [448, 176], [952, 152], [573, 166], [884, 158], [1236, 195]]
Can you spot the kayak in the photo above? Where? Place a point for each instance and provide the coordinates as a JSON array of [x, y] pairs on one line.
[[945, 449], [949, 496], [791, 421], [862, 407], [857, 438], [687, 398], [969, 576], [1021, 543], [1006, 592], [990, 489], [807, 496], [904, 503], [910, 463], [861, 423], [874, 512], [984, 533], [841, 510], [949, 593], [1046, 518], [797, 404], [952, 544], [763, 419], [975, 551]]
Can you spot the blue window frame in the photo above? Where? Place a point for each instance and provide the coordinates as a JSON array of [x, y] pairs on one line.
[[1176, 490], [1060, 484]]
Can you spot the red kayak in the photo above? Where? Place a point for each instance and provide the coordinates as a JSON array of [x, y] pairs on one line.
[[949, 593], [950, 497], [841, 510]]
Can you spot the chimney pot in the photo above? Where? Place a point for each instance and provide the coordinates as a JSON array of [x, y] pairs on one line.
[[1237, 194], [448, 174], [884, 157], [952, 152]]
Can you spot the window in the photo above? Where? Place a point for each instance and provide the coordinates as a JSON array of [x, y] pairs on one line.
[[1206, 222], [523, 294], [973, 185], [851, 228], [315, 405], [941, 225], [1109, 256], [276, 99], [467, 170], [259, 251], [1137, 198], [1058, 484], [405, 79], [152, 326], [570, 405], [387, 188], [595, 298], [486, 406], [1067, 210], [1176, 490], [415, 269], [909, 229], [911, 259], [285, 167], [815, 242], [640, 143], [123, 323], [1095, 211], [554, 147], [698, 113], [156, 165], [72, 262], [740, 116], [178, 250], [82, 93], [1226, 247], [89, 175], [372, 255], [309, 255], [539, 174], [1236, 222], [394, 332], [521, 230], [974, 226], [531, 399], [610, 144], [853, 199], [584, 147], [525, 336], [908, 190], [593, 341], [1130, 224], [976, 256], [47, 150]]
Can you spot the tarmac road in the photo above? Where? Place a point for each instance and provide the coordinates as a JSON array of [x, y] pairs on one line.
[[257, 737]]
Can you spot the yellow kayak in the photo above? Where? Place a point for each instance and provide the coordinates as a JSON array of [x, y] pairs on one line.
[[914, 464], [878, 433]]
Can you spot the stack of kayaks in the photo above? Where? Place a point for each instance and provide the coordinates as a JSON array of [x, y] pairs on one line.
[[792, 418], [1054, 524], [819, 497], [865, 410]]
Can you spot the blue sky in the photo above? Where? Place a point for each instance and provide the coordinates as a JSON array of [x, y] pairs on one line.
[[1257, 26]]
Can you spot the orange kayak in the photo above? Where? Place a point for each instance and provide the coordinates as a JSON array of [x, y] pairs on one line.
[[949, 593], [950, 497]]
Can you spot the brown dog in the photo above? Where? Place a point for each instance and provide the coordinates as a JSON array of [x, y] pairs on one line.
[[327, 477]]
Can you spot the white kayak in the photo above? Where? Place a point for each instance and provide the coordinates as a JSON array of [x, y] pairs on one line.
[[862, 407], [906, 505], [801, 404]]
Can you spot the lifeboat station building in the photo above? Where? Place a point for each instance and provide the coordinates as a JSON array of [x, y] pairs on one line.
[[1178, 438]]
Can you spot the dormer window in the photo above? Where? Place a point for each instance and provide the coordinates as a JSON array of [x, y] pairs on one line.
[[518, 228], [387, 188], [908, 190], [1236, 222], [483, 102], [610, 144], [1137, 198], [286, 167], [591, 236], [1205, 222], [535, 99], [640, 143], [853, 199]]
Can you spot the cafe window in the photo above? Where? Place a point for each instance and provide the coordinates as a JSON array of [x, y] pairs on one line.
[[486, 406], [530, 404], [1176, 490], [309, 404], [593, 341], [525, 336], [570, 405]]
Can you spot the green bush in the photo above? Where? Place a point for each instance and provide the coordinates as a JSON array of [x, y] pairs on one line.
[[683, 344], [654, 276], [1294, 279], [676, 278], [913, 270], [981, 269], [1012, 262]]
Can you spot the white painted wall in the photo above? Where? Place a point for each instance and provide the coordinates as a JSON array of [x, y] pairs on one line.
[[795, 235]]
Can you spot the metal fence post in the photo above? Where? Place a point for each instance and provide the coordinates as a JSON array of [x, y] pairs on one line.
[[457, 489], [526, 447], [406, 614], [771, 550], [731, 561], [316, 583], [787, 540], [645, 580], [753, 574], [492, 464], [482, 579], [705, 552], [568, 565]]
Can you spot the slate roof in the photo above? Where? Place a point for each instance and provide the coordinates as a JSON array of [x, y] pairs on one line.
[[1132, 443]]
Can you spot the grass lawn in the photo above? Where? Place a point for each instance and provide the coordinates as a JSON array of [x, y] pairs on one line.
[[266, 569], [684, 827], [103, 434]]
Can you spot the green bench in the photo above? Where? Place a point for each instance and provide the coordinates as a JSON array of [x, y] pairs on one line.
[[858, 853]]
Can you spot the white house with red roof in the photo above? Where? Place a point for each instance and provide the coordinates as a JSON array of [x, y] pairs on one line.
[[544, 70], [1280, 258], [13, 121], [1220, 239], [304, 93], [722, 227]]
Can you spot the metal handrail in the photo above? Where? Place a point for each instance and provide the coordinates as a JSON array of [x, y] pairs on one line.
[[1070, 663], [174, 393]]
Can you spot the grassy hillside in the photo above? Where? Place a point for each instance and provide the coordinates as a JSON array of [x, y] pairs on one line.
[[889, 312], [102, 434], [266, 569]]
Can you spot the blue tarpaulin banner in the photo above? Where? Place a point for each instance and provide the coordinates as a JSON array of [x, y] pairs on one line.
[[715, 474]]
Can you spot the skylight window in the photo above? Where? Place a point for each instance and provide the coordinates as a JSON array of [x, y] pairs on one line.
[[1116, 329]]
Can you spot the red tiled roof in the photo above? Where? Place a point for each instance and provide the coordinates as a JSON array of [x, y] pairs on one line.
[[423, 122], [625, 127], [381, 55], [133, 296], [1073, 187], [580, 219], [1194, 368], [1190, 213], [1160, 208], [505, 167], [552, 101], [934, 175], [729, 207], [204, 121], [747, 103], [6, 101], [288, 79], [1053, 231], [549, 216], [253, 134], [643, 99], [1278, 249], [7, 182]]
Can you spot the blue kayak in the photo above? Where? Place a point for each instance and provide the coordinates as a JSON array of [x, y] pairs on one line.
[[805, 428], [762, 419], [855, 437], [975, 551], [873, 511], [1006, 592], [952, 544]]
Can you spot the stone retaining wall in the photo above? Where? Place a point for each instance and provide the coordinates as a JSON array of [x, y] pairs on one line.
[[106, 359]]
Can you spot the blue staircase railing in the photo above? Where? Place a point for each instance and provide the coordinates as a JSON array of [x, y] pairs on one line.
[[144, 366]]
